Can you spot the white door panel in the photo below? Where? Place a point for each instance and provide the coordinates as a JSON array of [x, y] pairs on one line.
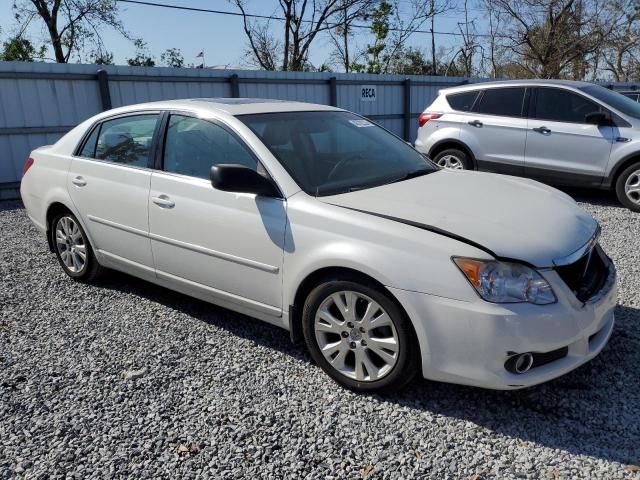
[[113, 202], [563, 146], [574, 148], [500, 141], [499, 129], [226, 241]]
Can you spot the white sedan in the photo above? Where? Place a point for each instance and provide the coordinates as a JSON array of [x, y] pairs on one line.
[[316, 220]]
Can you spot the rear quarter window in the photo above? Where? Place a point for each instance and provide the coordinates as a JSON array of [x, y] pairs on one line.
[[462, 102]]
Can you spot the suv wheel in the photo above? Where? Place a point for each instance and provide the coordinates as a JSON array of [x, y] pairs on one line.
[[359, 336], [628, 187], [453, 159]]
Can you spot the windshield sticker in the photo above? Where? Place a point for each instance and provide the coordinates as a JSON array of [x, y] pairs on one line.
[[361, 123]]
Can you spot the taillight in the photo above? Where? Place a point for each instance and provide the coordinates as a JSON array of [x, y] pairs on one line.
[[425, 117], [27, 165]]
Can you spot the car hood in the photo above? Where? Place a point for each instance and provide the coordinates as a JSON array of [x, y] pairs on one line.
[[511, 217]]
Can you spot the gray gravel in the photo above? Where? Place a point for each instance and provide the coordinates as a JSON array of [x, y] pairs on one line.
[[125, 379]]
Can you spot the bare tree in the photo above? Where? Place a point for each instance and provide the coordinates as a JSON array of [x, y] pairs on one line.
[[621, 50], [470, 46], [494, 17], [71, 24], [342, 36], [437, 7], [552, 38], [303, 20], [264, 49]]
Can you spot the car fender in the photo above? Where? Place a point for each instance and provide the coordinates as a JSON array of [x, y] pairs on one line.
[[431, 135], [395, 254], [619, 159]]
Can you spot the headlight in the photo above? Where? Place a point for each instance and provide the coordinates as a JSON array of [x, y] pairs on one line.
[[505, 282]]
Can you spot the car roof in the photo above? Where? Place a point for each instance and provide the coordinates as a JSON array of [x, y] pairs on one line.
[[230, 106], [516, 83]]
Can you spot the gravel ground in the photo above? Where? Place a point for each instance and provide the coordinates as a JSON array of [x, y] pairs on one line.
[[128, 379]]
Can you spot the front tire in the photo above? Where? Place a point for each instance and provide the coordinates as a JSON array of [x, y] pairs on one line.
[[359, 336], [453, 159], [72, 248], [628, 187]]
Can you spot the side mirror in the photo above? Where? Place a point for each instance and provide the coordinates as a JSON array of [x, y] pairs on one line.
[[598, 118], [240, 179]]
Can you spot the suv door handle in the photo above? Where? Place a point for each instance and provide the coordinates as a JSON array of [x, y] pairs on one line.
[[79, 181], [475, 123], [163, 201], [542, 130]]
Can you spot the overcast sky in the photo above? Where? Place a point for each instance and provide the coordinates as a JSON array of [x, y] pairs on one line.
[[220, 36]]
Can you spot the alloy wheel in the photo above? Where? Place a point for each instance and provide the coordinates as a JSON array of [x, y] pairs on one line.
[[71, 244], [632, 187], [356, 336], [451, 162]]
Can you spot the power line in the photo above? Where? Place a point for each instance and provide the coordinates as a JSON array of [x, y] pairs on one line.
[[282, 19]]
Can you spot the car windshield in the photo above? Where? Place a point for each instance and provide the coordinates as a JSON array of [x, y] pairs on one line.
[[333, 152], [614, 99]]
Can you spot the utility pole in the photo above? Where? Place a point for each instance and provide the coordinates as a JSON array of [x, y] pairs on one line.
[[434, 66]]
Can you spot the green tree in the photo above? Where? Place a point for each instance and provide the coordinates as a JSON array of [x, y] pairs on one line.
[[172, 57], [142, 57], [102, 58], [380, 21], [411, 61], [19, 49], [70, 24]]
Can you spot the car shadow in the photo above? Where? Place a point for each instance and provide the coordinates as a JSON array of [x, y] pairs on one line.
[[603, 198], [8, 205], [586, 412]]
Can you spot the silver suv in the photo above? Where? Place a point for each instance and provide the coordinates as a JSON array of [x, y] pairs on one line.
[[558, 132]]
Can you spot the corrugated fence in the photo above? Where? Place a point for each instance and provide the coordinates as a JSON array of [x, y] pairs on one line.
[[39, 102]]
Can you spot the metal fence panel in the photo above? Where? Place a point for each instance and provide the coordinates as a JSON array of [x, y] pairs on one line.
[[41, 101]]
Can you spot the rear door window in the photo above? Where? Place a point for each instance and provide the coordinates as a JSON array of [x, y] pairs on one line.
[[506, 102], [126, 140]]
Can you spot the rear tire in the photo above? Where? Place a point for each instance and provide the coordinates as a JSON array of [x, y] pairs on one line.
[[359, 336], [453, 159], [628, 187], [72, 248]]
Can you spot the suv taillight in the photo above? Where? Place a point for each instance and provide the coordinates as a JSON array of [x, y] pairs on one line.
[[425, 117], [27, 165]]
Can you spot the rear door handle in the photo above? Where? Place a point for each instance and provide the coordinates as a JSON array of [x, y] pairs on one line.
[[475, 123], [163, 201], [542, 130], [79, 181]]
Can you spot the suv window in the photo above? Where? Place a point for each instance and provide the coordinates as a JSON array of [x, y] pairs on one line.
[[193, 146], [563, 106], [462, 101], [627, 106], [125, 140], [506, 102]]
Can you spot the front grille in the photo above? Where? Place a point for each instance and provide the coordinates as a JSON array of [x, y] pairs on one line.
[[587, 276]]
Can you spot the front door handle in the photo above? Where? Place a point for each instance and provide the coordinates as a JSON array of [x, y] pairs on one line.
[[163, 201], [475, 123], [542, 130], [79, 181]]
